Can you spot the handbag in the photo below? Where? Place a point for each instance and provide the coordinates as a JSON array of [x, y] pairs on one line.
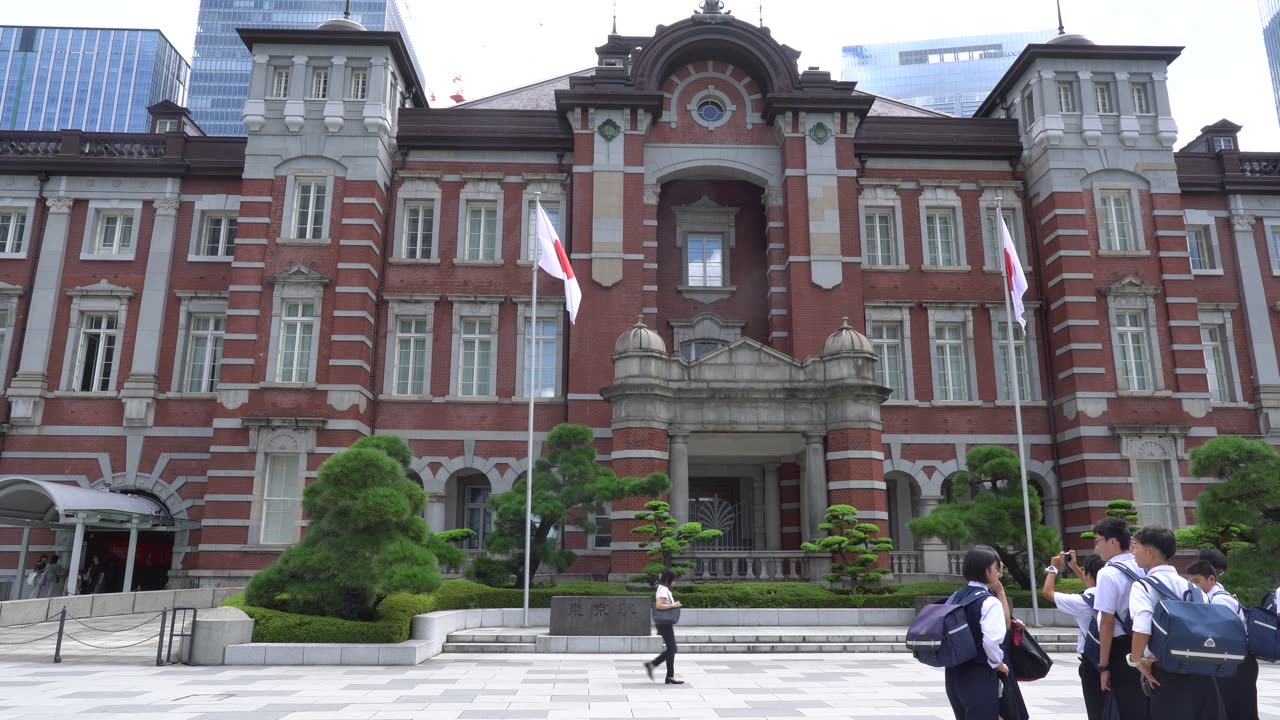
[[31, 577], [670, 616], [1027, 660]]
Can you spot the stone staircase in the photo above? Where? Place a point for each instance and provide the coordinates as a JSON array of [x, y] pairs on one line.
[[852, 639]]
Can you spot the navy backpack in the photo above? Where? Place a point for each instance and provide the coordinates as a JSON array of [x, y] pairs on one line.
[[942, 636], [1191, 636], [1092, 647], [1264, 629]]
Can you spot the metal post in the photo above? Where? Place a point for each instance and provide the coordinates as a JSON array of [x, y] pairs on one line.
[[73, 567], [533, 378], [160, 643], [128, 563], [19, 581], [62, 622]]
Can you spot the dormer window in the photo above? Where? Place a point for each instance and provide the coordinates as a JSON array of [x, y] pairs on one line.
[[1224, 143], [280, 83], [611, 62], [166, 125]]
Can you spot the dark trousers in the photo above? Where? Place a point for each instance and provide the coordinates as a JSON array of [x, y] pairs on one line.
[[974, 691], [1126, 682], [1091, 686], [668, 656], [1184, 697], [1240, 691]]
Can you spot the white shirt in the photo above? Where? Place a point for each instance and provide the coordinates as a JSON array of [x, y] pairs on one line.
[[664, 594], [1219, 596], [1077, 607], [1143, 601], [1113, 590], [993, 627]]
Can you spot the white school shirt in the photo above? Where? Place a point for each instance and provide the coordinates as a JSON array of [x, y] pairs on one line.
[[1218, 595], [1114, 588], [664, 594], [1076, 606], [1143, 601], [993, 627]]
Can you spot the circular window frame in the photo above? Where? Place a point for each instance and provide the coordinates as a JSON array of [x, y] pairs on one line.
[[711, 94]]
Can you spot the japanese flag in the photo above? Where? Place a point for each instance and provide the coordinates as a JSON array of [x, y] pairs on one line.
[[553, 259], [1013, 266]]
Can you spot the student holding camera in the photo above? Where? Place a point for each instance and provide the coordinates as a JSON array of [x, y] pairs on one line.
[[1079, 607]]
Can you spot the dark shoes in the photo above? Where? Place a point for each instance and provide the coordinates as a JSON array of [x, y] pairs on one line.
[[648, 668], [674, 681]]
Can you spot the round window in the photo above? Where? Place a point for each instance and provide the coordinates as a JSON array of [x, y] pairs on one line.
[[710, 111]]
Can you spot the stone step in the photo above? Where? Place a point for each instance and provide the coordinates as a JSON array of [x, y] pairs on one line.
[[488, 647]]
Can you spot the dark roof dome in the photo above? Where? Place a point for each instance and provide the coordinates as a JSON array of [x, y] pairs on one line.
[[1070, 39], [341, 24]]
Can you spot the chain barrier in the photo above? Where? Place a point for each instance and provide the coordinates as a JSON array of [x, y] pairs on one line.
[[73, 638], [113, 630], [171, 628], [28, 642]]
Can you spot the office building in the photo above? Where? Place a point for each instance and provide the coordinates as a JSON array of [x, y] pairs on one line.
[[950, 75], [93, 79], [1270, 11], [221, 65]]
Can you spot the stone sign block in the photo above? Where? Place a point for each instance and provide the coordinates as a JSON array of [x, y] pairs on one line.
[[574, 615]]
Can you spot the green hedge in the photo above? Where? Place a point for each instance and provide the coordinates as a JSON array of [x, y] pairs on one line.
[[395, 614]]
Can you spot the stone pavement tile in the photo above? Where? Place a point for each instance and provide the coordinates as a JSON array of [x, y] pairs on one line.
[[767, 704], [295, 707], [767, 691], [588, 698], [130, 709], [331, 715], [239, 716], [758, 713], [502, 714], [105, 694]]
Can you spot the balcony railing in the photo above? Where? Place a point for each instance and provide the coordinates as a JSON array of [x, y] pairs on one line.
[[756, 566], [33, 145], [955, 561], [906, 563], [89, 152], [1252, 165]]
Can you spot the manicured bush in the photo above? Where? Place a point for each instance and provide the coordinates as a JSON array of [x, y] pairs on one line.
[[395, 614]]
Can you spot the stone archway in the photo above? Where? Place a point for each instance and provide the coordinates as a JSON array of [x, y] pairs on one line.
[[164, 493]]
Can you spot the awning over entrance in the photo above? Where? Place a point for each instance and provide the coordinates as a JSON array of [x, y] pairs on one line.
[[38, 503]]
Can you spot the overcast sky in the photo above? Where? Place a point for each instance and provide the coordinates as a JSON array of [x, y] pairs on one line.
[[499, 44]]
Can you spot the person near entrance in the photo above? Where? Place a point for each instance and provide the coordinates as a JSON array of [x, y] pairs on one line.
[[51, 579], [33, 577], [664, 601], [1115, 583]]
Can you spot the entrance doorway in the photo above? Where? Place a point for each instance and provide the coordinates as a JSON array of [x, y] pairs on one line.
[[151, 562], [718, 504]]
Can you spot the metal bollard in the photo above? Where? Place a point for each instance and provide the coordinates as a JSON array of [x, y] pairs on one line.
[[160, 643], [57, 649]]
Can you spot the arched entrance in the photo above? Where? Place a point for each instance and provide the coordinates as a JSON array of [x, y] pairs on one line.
[[152, 556]]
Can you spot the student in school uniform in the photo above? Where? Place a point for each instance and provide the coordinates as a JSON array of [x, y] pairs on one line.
[[974, 688], [1111, 540], [1240, 691], [1173, 696], [1079, 607]]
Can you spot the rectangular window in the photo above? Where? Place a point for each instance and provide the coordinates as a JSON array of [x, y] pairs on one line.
[[308, 213], [419, 224], [482, 231], [280, 498], [359, 84], [476, 515], [218, 237], [886, 337], [320, 83], [1029, 108], [411, 356], [1200, 245], [1020, 360], [1224, 143], [706, 260], [1135, 350], [476, 363], [995, 246], [1066, 97], [544, 345], [166, 125], [114, 234], [1275, 247], [297, 335], [940, 238], [552, 209], [1102, 91], [1142, 99], [881, 245], [603, 537], [950, 362], [204, 353], [96, 359], [13, 225], [280, 83], [1117, 221], [1221, 387], [1154, 504]]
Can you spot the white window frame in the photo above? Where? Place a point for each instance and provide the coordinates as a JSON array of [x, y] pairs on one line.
[[999, 351], [226, 237], [280, 80], [1104, 95], [320, 80], [288, 223], [417, 191], [899, 313], [552, 311], [479, 191], [529, 223], [1067, 97], [166, 125], [1208, 224], [406, 307], [992, 248], [1138, 447], [414, 334], [211, 205], [1106, 244], [464, 485], [1219, 315], [192, 302], [1142, 94], [876, 198], [1272, 229], [1224, 143], [935, 243], [1131, 294], [308, 220], [209, 369], [13, 236], [469, 308], [109, 375], [102, 298], [289, 535], [552, 192], [298, 284], [422, 216], [9, 295], [358, 88], [98, 209], [605, 513], [943, 198], [959, 314], [705, 217], [299, 317], [1169, 509]]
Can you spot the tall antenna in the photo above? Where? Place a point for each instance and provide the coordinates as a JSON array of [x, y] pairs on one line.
[[1060, 28], [346, 13], [761, 13], [615, 17]]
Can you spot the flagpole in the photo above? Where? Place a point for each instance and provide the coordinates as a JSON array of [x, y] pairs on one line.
[[529, 388], [1012, 369]]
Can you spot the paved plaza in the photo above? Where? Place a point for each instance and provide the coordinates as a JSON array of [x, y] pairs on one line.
[[479, 686]]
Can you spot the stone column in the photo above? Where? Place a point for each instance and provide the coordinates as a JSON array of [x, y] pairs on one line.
[[934, 551], [19, 581], [772, 508], [142, 386], [757, 511], [637, 451], [803, 496], [299, 87], [1090, 124], [1124, 103], [435, 512], [1257, 315], [31, 383], [814, 484], [1053, 513], [678, 472]]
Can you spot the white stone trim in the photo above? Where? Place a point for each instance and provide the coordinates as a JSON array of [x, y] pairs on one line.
[[877, 197], [98, 207], [1135, 216], [998, 318], [480, 190], [1120, 301], [952, 313], [942, 197], [551, 192], [288, 222], [548, 308], [192, 303], [468, 307], [286, 289], [425, 308], [27, 205], [416, 190], [1221, 316], [1012, 203], [211, 205], [899, 313], [100, 298]]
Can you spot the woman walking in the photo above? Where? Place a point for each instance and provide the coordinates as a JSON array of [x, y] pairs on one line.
[[974, 688], [664, 619]]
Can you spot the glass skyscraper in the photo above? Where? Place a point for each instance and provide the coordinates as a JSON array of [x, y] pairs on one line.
[[950, 75], [221, 66], [93, 79], [1270, 10]]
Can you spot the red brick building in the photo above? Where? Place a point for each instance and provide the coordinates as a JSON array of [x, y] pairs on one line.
[[203, 321]]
